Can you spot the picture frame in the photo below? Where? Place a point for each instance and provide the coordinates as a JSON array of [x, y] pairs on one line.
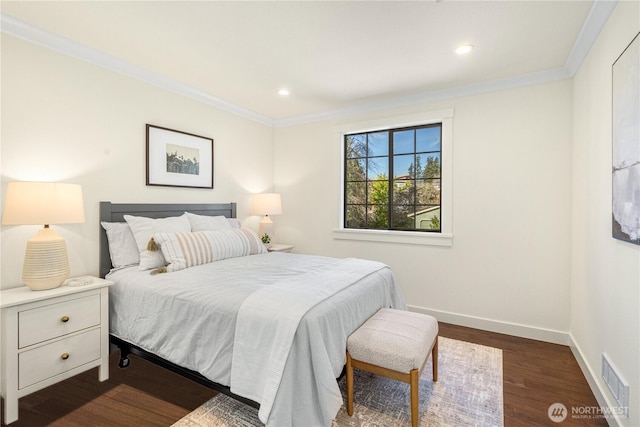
[[178, 159], [625, 123]]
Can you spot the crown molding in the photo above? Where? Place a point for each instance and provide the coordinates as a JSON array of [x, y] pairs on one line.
[[30, 33], [596, 20], [429, 96]]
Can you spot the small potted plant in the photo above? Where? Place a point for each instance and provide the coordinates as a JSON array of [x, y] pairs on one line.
[[266, 240]]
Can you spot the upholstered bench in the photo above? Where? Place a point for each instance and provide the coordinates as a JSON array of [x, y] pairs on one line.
[[395, 344]]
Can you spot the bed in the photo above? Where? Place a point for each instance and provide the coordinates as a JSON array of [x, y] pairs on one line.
[[268, 329]]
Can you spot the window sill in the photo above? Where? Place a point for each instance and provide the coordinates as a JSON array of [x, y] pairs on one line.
[[390, 236]]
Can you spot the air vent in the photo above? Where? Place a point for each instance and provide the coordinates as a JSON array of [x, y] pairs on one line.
[[617, 385]]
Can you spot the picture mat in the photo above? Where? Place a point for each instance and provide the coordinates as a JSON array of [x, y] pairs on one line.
[[158, 141]]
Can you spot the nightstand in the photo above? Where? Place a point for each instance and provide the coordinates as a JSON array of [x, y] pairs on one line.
[[49, 336], [275, 247]]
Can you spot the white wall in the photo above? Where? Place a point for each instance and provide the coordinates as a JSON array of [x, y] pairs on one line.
[[510, 261], [605, 309], [67, 120]]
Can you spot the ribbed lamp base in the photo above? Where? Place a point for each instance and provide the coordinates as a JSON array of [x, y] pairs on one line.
[[46, 264]]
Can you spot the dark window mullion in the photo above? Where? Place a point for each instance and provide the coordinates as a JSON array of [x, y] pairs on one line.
[[415, 180], [366, 184], [391, 183], [345, 183], [440, 181]]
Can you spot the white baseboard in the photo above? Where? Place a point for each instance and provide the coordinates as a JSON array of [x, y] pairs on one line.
[[524, 331], [600, 394]]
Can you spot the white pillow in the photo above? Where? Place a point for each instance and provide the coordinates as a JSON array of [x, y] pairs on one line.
[[123, 249], [144, 228], [207, 223], [183, 250]]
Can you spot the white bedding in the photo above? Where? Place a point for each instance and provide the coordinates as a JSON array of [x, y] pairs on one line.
[[189, 318]]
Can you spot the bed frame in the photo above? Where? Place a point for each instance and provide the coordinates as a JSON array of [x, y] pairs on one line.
[[114, 212]]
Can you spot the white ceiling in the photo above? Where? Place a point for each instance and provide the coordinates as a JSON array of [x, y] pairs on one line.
[[334, 56]]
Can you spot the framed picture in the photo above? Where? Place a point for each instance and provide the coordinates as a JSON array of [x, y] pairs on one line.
[[178, 159], [626, 144]]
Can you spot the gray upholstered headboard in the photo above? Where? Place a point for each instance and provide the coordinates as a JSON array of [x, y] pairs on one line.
[[114, 212]]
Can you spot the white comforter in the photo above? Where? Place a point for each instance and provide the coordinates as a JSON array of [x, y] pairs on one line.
[[189, 317]]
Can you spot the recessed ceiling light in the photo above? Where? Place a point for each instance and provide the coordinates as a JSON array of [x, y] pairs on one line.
[[283, 92], [464, 49]]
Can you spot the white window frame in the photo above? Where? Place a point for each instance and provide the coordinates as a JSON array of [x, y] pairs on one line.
[[445, 236]]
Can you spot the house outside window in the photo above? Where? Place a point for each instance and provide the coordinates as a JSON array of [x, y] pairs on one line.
[[393, 179]]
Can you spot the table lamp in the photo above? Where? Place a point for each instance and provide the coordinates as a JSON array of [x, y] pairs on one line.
[[266, 204], [46, 264]]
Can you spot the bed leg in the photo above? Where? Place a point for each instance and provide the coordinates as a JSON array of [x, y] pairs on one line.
[[124, 362], [124, 355]]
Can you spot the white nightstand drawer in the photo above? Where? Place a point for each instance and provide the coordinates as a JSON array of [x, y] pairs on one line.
[[60, 356], [55, 320]]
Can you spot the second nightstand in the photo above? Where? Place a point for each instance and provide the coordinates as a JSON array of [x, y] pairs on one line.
[[275, 247]]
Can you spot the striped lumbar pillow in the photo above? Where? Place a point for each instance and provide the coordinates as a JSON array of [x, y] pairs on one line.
[[184, 250]]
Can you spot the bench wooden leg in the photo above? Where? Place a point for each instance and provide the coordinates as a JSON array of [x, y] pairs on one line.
[[349, 385], [414, 383], [434, 360]]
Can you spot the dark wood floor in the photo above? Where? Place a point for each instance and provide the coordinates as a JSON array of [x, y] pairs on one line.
[[535, 375]]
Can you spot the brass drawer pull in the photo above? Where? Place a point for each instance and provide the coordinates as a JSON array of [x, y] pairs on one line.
[[64, 319], [64, 356]]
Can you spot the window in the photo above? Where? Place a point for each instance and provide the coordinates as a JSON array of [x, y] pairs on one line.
[[393, 179], [397, 178]]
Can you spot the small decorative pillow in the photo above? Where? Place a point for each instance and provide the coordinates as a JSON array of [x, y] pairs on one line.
[[183, 250], [144, 228], [123, 249], [207, 223]]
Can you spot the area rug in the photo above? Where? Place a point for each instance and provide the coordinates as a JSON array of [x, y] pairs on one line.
[[468, 393]]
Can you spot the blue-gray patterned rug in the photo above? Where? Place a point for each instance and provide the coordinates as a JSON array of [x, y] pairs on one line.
[[468, 393]]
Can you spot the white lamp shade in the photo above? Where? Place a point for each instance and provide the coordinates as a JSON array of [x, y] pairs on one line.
[[266, 204], [40, 203], [46, 264]]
